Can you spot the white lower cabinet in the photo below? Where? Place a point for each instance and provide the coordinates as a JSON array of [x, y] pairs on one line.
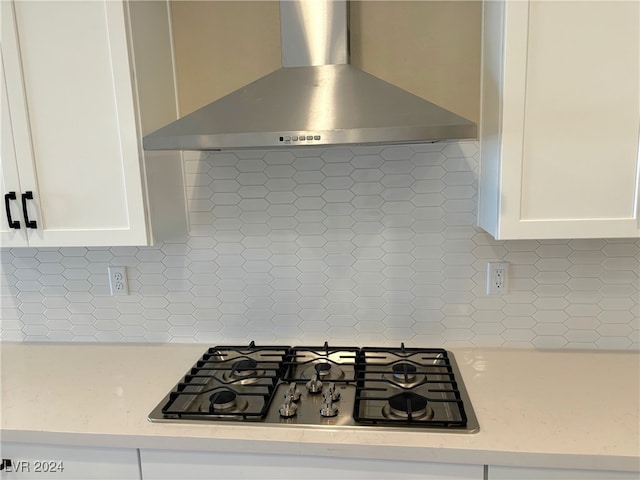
[[521, 473], [160, 464], [33, 461], [37, 461]]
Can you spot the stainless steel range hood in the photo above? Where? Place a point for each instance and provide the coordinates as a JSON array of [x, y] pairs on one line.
[[317, 98]]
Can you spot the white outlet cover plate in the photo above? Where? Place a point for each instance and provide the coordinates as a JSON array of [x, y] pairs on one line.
[[118, 283], [497, 278]]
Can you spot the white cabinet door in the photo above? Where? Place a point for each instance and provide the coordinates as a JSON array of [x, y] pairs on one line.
[[560, 119], [73, 74], [11, 233], [159, 464], [71, 99], [29, 461], [519, 473]]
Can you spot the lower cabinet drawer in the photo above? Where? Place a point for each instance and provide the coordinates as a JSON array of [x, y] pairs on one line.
[[520, 473], [36, 461], [160, 464]]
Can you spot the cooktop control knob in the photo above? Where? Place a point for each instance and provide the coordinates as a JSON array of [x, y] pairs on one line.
[[288, 408], [293, 392], [314, 385], [328, 409], [333, 392]]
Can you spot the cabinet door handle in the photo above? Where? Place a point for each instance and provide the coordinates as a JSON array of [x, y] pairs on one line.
[[7, 205], [28, 196]]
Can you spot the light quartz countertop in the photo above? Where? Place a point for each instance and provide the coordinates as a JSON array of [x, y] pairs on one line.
[[556, 409]]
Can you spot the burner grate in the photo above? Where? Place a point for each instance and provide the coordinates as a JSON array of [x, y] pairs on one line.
[[250, 373], [388, 377], [335, 364]]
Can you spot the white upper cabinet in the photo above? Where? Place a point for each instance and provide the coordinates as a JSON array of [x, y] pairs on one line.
[[560, 119], [75, 123], [12, 231]]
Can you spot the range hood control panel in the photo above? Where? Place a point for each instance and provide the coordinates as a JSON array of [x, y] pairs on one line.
[[287, 139]]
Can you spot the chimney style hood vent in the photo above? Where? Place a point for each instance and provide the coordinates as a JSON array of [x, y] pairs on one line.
[[317, 98]]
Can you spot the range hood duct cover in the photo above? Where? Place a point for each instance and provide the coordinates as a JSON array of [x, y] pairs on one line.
[[317, 98]]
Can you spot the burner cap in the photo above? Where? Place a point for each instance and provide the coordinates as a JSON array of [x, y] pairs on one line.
[[222, 400], [248, 364], [408, 403], [322, 368], [404, 371], [243, 371]]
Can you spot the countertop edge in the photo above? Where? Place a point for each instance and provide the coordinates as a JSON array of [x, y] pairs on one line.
[[472, 456]]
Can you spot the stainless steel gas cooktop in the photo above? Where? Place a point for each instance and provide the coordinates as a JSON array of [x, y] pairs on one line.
[[332, 386]]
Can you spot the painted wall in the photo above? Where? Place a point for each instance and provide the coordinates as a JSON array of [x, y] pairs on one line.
[[366, 245], [430, 48], [221, 46]]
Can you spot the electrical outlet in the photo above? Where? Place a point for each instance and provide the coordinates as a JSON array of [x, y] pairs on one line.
[[118, 281], [497, 278]]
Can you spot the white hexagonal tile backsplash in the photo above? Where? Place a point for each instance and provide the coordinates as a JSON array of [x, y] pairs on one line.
[[364, 245]]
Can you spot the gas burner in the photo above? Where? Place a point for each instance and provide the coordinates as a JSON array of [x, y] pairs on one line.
[[323, 369], [407, 406], [245, 367], [404, 374], [224, 402], [243, 372], [326, 371], [404, 371]]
